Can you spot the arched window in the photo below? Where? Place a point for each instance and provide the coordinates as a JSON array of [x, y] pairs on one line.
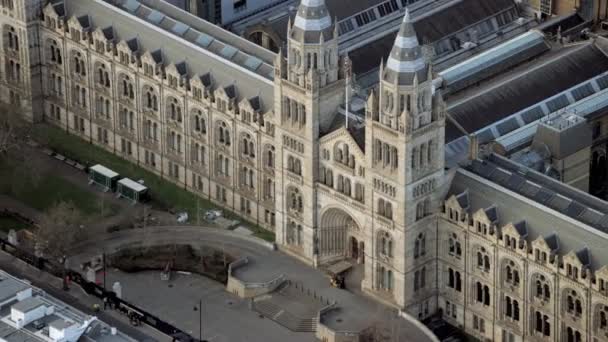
[[12, 38], [511, 273], [385, 244], [126, 87], [602, 320], [103, 76], [483, 260], [295, 202], [454, 245], [223, 133], [55, 52], [151, 100], [247, 146], [574, 304], [174, 110], [420, 245], [269, 155], [78, 64]]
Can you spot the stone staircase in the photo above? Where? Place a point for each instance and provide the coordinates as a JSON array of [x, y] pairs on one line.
[[285, 318], [291, 307]]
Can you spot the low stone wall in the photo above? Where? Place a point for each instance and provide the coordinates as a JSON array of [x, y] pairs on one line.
[[419, 325], [248, 289], [326, 334]]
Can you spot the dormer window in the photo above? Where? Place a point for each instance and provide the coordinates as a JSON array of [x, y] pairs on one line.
[[197, 93], [100, 46], [148, 69], [572, 271], [173, 81], [75, 34], [540, 256], [510, 241], [124, 57], [51, 23]]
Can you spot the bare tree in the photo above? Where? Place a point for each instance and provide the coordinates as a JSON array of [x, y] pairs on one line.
[[60, 228], [14, 130]]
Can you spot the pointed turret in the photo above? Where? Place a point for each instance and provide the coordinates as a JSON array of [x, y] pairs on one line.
[[312, 21], [406, 61]]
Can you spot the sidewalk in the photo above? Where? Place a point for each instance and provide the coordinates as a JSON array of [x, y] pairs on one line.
[[77, 298]]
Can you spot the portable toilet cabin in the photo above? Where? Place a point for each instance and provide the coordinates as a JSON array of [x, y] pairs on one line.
[[103, 177], [131, 190]]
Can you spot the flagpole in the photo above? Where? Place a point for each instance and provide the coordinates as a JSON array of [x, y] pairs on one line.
[[347, 72]]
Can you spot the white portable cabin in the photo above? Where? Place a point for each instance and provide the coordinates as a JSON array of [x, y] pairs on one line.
[[104, 177], [130, 189]]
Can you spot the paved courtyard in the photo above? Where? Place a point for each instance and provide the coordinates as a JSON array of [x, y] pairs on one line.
[[356, 311], [226, 318]]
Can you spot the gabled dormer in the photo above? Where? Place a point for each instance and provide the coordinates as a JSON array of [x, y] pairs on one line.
[[225, 99], [575, 265], [601, 280], [127, 51], [249, 111], [79, 28], [54, 17], [485, 221], [199, 87], [151, 63], [514, 236], [103, 40], [545, 249], [457, 206], [176, 75]]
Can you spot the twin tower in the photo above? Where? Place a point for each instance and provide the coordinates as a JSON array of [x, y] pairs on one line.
[[369, 191]]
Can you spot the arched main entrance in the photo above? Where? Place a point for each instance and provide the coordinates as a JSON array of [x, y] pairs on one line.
[[340, 236]]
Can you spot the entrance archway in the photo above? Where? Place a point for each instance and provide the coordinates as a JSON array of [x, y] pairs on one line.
[[354, 248], [339, 235]]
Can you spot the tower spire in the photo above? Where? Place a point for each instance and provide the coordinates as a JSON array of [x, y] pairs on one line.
[[312, 21], [406, 59]]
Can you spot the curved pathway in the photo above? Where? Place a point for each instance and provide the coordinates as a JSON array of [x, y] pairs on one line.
[[356, 312]]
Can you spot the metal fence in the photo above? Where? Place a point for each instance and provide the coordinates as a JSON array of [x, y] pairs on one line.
[[135, 313]]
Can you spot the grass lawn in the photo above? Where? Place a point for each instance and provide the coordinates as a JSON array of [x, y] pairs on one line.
[[162, 191], [47, 191], [7, 223]]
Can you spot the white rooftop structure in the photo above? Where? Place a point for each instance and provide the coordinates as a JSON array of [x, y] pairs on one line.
[[133, 185], [104, 171], [28, 314]]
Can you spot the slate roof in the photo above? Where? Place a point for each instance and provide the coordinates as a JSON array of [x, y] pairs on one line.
[[552, 241], [356, 131], [463, 199], [530, 85], [575, 232], [551, 193], [429, 29], [142, 35], [521, 227]]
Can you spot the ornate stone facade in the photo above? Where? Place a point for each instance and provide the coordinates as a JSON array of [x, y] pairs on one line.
[[371, 187]]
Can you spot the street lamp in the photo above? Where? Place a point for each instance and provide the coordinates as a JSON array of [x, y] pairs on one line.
[[199, 308]]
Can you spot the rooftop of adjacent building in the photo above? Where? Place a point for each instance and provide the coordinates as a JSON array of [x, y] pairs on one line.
[[29, 314], [547, 206], [176, 37]]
